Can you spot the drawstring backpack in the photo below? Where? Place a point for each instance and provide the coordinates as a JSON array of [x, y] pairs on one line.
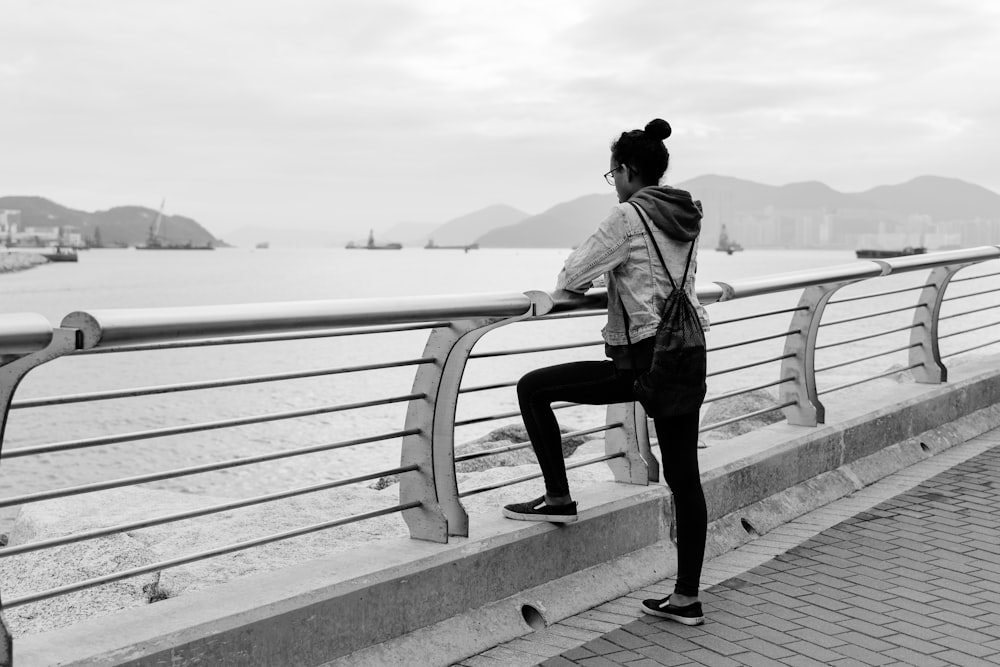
[[675, 382]]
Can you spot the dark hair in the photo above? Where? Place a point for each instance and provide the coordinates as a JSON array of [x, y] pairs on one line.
[[643, 150]]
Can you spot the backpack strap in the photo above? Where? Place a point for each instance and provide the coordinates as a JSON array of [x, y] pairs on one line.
[[656, 246]]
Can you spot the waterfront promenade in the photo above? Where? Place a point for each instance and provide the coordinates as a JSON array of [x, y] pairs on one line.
[[903, 572]]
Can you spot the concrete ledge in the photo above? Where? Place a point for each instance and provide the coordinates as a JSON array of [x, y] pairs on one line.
[[364, 607]]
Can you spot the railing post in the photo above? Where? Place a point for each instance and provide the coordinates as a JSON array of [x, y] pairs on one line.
[[639, 465], [12, 371], [435, 485], [924, 334], [801, 366]]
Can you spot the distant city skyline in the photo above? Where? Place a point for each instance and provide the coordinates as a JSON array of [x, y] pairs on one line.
[[314, 114]]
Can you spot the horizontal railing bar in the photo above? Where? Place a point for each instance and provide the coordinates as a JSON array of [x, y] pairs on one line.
[[209, 553], [192, 514], [488, 387], [873, 296], [967, 312], [970, 294], [194, 470], [969, 330], [740, 392], [507, 415], [980, 276], [571, 315], [969, 349], [783, 311], [868, 358], [733, 369], [525, 445], [518, 480], [753, 340], [268, 338], [869, 379], [212, 384], [531, 350], [203, 426], [137, 326], [868, 316], [869, 336], [755, 413]]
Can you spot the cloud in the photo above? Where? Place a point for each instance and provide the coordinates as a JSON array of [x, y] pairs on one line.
[[263, 112]]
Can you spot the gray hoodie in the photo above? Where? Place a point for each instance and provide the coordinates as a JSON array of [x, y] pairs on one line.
[[621, 250]]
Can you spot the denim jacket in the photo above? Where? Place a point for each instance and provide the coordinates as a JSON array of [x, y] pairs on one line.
[[620, 250]]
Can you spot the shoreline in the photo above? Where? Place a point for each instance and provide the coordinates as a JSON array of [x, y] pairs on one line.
[[12, 260]]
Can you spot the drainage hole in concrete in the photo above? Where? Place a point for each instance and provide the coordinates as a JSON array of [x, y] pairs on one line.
[[747, 526], [532, 617], [925, 447]]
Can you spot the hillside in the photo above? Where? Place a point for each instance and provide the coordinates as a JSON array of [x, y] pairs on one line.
[[727, 199], [943, 199], [562, 226], [119, 226], [468, 228]]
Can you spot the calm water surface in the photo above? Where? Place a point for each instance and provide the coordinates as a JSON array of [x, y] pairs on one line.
[[129, 278]]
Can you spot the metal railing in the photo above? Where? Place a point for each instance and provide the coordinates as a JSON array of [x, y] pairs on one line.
[[780, 356]]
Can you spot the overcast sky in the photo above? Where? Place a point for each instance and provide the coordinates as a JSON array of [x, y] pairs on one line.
[[325, 113]]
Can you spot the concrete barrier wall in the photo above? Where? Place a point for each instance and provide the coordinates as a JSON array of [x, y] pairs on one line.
[[365, 607]]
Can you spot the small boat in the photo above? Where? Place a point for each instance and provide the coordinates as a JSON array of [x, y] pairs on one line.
[[726, 244], [433, 246], [876, 253], [263, 245], [61, 254], [371, 245]]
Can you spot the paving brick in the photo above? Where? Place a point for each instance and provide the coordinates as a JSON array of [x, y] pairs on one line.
[[626, 639], [578, 653], [868, 642], [540, 649], [643, 662], [623, 657], [864, 655], [557, 661], [601, 646], [817, 637], [663, 656], [753, 659], [865, 624], [965, 660], [711, 659], [598, 661], [912, 657], [966, 647], [801, 661]]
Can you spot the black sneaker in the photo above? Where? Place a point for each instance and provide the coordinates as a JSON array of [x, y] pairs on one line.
[[688, 614], [537, 510]]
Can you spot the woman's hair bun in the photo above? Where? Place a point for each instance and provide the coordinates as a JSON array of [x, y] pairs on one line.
[[658, 129]]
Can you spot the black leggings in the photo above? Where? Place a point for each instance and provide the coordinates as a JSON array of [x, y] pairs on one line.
[[600, 383]]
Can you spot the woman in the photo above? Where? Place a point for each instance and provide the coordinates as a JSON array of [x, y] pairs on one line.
[[622, 250]]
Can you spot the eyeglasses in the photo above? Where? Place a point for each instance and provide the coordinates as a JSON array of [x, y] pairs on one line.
[[609, 177]]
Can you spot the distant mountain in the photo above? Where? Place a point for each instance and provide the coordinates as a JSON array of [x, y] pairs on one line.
[[726, 199], [470, 227], [562, 226], [944, 199], [123, 225]]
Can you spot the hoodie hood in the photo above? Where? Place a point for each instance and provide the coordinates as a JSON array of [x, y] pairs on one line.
[[672, 210]]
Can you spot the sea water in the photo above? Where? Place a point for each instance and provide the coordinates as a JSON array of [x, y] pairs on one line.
[[129, 278]]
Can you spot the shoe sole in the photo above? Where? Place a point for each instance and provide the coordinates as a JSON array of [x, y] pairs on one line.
[[551, 518], [673, 617]]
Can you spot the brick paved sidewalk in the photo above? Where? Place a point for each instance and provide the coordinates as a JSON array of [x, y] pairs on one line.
[[912, 580]]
